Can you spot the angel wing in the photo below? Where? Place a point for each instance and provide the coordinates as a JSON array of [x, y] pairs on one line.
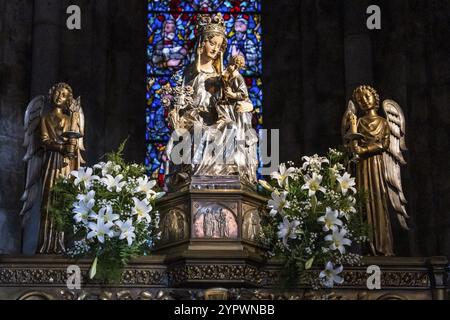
[[393, 159], [76, 108], [345, 126], [81, 123], [34, 158]]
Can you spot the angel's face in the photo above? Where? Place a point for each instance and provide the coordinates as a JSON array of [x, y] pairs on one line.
[[366, 100], [61, 97]]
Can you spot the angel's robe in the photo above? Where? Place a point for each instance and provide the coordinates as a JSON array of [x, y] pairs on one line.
[[370, 177], [54, 165]]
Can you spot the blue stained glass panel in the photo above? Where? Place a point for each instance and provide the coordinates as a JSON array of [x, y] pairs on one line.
[[205, 5], [170, 44]]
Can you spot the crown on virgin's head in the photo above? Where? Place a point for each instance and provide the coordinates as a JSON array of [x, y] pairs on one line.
[[208, 25]]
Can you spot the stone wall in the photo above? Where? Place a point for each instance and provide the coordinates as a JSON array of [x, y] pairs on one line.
[[317, 51], [15, 72], [105, 64]]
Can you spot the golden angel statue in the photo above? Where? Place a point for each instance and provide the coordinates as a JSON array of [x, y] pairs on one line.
[[213, 104], [54, 129], [377, 143]]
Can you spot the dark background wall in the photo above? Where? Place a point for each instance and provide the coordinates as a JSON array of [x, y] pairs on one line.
[[104, 62], [315, 53], [15, 46]]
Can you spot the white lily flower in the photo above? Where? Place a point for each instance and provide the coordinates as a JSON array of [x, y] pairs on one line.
[[100, 230], [346, 182], [113, 183], [107, 168], [330, 220], [146, 186], [101, 166], [83, 208], [82, 211], [313, 184], [283, 175], [314, 162], [84, 176], [334, 171], [351, 209], [338, 240], [106, 214], [331, 276], [286, 230], [86, 197], [278, 203], [104, 167], [142, 209], [126, 231]]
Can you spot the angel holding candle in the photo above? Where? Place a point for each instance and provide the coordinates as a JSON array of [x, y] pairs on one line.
[[377, 143], [54, 127]]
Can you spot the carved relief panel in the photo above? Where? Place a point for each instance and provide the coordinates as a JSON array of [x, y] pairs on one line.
[[251, 223], [174, 226], [215, 220]]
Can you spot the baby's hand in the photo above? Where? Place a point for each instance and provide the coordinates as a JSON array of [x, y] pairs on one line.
[[229, 93]]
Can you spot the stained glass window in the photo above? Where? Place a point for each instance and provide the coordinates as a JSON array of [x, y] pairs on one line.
[[171, 40]]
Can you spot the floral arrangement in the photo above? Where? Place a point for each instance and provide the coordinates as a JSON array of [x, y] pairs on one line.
[[109, 211], [312, 219]]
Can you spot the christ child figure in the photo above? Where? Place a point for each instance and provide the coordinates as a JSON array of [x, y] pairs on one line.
[[235, 98]]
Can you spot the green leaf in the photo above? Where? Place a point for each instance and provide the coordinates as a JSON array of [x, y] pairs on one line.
[[309, 263], [93, 269]]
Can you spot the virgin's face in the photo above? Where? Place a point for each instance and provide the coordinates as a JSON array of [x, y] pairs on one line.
[[212, 47], [61, 97]]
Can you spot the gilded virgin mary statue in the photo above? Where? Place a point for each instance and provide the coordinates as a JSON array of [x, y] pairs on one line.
[[211, 105], [54, 127], [377, 143]]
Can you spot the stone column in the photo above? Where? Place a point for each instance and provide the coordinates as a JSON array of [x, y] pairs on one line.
[[358, 46], [48, 19]]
